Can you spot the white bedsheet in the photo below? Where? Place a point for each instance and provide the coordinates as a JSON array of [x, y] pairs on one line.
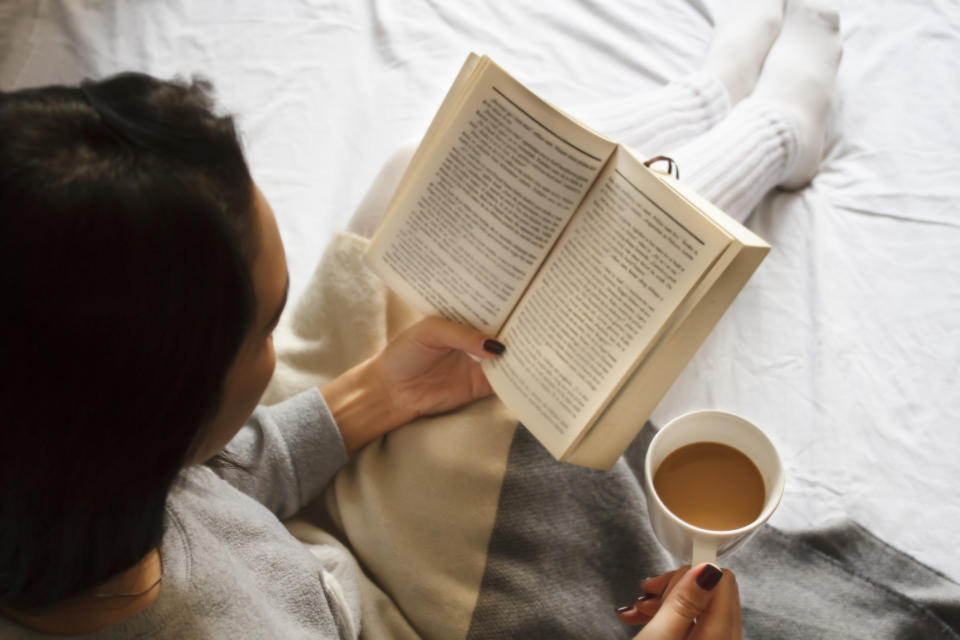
[[845, 345]]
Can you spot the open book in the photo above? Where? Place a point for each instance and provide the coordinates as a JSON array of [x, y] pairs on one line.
[[601, 276]]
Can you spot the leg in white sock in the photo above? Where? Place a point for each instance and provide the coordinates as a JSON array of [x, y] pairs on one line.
[[776, 136], [680, 111], [686, 108], [735, 164], [662, 118], [743, 34], [798, 78]]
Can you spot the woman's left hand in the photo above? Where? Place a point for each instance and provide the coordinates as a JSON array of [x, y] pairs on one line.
[[693, 604], [424, 370]]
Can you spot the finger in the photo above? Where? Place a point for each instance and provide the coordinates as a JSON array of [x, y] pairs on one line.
[[648, 602], [721, 618], [674, 579], [640, 611], [630, 614], [436, 332], [686, 600], [648, 608], [658, 584]]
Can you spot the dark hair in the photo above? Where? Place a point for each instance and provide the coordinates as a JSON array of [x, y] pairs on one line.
[[125, 207]]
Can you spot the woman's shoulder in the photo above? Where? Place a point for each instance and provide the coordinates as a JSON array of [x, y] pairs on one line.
[[200, 499]]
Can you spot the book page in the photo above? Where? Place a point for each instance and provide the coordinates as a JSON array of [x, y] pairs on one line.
[[499, 186], [621, 269]]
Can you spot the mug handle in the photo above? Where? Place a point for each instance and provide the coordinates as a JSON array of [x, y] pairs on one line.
[[704, 550]]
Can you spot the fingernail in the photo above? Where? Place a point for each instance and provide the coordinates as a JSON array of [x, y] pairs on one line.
[[494, 347], [645, 597], [625, 609], [708, 577]]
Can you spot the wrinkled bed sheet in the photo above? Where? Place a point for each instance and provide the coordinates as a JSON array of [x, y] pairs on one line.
[[844, 346]]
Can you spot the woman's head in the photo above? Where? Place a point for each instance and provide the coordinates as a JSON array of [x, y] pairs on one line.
[[131, 237]]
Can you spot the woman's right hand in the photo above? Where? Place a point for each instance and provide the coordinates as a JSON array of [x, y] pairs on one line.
[[698, 604]]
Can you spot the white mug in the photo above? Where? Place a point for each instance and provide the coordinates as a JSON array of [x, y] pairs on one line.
[[683, 540]]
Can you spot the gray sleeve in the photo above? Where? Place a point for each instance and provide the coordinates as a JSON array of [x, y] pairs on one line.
[[286, 453]]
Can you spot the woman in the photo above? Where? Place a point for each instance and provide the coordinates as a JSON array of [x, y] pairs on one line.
[[143, 274]]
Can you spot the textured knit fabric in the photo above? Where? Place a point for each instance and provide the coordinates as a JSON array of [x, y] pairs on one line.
[[230, 568], [740, 160], [731, 156], [654, 121], [571, 544]]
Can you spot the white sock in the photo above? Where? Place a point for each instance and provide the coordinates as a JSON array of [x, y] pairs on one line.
[[776, 136], [798, 78], [736, 163], [742, 36], [366, 217]]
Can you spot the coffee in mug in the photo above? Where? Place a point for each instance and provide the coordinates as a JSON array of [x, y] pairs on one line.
[[711, 486], [719, 478]]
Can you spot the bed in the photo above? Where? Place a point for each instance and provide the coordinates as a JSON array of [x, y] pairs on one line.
[[845, 345]]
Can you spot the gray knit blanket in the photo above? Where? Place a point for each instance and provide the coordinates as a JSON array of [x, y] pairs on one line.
[[568, 541]]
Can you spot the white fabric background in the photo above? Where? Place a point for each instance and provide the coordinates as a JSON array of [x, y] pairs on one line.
[[845, 345]]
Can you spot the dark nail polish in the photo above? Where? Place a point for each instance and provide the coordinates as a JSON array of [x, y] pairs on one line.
[[645, 597], [494, 347], [625, 608], [708, 577]]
